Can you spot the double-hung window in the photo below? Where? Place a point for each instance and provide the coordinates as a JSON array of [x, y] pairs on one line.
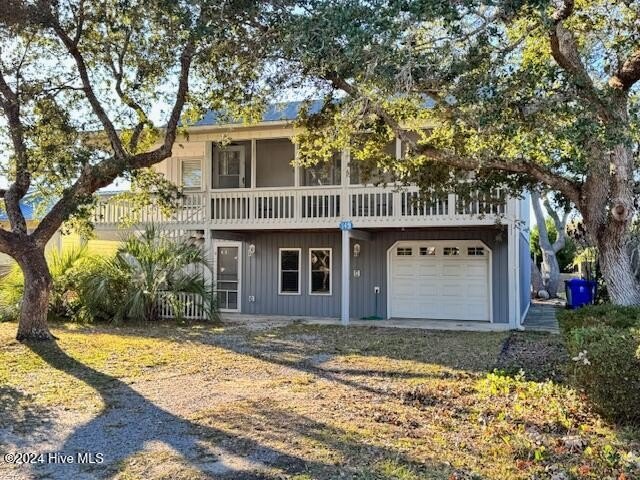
[[289, 271], [320, 271]]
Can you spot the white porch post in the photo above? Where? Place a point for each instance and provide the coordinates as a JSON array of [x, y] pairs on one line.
[[346, 269]]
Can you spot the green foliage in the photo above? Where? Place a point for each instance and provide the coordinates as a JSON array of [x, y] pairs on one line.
[[614, 316], [68, 271], [604, 343], [565, 257], [144, 271], [11, 289]]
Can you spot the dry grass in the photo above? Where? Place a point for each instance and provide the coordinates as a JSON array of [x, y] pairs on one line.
[[307, 402]]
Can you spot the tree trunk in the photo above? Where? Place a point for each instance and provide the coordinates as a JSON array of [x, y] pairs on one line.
[[617, 269], [536, 278], [35, 301], [550, 272]]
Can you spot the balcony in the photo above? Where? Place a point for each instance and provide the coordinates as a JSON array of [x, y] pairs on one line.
[[310, 207]]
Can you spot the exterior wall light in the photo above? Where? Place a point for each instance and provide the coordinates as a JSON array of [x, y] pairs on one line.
[[252, 250], [356, 249]]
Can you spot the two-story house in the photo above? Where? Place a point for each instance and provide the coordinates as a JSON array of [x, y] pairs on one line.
[[315, 242]]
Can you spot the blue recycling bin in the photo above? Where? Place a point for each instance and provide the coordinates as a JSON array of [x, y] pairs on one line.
[[580, 292]]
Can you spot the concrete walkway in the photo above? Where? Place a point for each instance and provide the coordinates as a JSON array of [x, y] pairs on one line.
[[542, 317], [270, 321]]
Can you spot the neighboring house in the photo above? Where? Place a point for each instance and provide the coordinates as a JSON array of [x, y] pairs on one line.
[[273, 234]]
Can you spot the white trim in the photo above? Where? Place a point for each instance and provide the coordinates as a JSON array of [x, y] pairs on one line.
[[299, 250], [330, 272], [465, 243], [254, 163], [228, 243], [181, 160]]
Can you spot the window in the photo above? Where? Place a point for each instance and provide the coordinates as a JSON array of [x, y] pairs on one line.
[[404, 251], [320, 271], [427, 251], [451, 251], [475, 251], [192, 174], [289, 278]]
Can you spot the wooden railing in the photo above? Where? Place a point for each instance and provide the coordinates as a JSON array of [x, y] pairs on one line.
[[308, 207]]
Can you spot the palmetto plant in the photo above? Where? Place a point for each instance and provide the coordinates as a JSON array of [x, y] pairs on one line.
[[67, 269], [146, 271]]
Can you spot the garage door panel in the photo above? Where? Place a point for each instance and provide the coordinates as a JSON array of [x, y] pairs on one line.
[[439, 286]]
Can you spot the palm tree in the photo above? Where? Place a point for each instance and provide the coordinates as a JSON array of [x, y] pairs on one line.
[[147, 271]]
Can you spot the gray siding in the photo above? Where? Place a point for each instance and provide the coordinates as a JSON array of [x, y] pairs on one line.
[[260, 271], [525, 272]]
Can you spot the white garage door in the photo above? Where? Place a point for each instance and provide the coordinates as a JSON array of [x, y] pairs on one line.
[[447, 280]]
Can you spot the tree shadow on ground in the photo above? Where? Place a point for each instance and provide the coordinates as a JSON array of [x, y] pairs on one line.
[[19, 415], [129, 423]]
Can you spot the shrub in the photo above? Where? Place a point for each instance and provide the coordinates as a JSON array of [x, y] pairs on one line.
[[614, 316], [607, 366], [67, 268], [145, 270], [604, 343]]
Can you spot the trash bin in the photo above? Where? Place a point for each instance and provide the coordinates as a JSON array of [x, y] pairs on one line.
[[580, 292]]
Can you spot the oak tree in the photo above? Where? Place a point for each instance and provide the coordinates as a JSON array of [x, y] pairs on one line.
[[92, 91], [537, 95]]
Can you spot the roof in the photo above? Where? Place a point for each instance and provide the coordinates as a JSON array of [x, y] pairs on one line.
[[275, 112], [31, 207], [28, 210]]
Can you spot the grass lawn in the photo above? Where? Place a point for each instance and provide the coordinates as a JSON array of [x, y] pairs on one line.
[[301, 402]]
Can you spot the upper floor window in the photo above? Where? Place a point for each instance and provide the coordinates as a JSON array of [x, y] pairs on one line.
[[191, 173]]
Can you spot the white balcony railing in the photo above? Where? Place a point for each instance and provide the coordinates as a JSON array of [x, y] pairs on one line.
[[111, 212], [309, 207]]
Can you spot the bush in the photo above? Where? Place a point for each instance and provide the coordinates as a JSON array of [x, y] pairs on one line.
[[146, 270], [68, 270], [599, 315], [604, 344]]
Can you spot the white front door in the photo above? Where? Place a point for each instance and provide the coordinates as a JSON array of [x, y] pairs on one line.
[[448, 280], [227, 263]]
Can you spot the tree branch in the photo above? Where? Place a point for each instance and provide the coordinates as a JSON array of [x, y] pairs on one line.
[[628, 74], [560, 225], [541, 174], [10, 103], [564, 50], [102, 174], [96, 106], [545, 244]]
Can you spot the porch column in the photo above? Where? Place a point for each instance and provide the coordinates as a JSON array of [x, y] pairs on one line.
[[513, 273], [345, 270]]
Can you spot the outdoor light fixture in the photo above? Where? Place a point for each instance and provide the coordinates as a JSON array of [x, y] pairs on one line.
[[252, 250], [356, 249]]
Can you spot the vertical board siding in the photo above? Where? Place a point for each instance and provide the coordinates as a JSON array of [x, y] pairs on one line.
[[260, 272]]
